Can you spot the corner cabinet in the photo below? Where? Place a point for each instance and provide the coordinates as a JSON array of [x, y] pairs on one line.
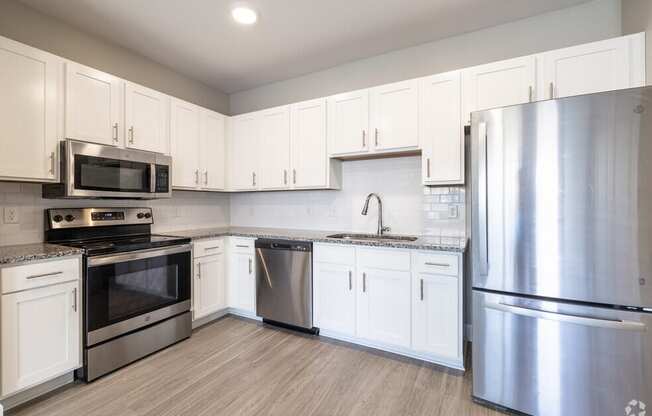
[[209, 282], [242, 276], [30, 112], [409, 302], [41, 321], [244, 145]]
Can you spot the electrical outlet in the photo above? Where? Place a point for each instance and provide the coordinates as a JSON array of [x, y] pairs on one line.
[[11, 215]]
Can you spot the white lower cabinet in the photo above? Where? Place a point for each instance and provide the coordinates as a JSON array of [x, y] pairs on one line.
[[404, 301], [41, 316], [209, 282], [242, 276]]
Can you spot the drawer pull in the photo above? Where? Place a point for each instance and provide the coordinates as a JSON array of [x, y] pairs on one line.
[[437, 264], [36, 276], [212, 248], [241, 246]]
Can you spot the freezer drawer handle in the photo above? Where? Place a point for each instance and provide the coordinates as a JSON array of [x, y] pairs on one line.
[[573, 319]]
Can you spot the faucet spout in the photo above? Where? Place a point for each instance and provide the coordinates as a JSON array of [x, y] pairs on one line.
[[365, 210]]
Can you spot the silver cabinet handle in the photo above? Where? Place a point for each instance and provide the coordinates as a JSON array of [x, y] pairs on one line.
[[294, 176], [529, 94], [437, 264], [364, 282], [198, 270], [552, 90], [364, 138], [350, 280], [52, 163], [131, 134], [115, 132], [574, 319], [427, 167], [241, 246], [197, 176], [250, 266], [483, 244], [206, 177], [253, 178], [36, 276], [212, 248], [285, 176], [421, 289], [376, 137], [74, 299]]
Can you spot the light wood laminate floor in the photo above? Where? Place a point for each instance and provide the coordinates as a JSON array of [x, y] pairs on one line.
[[238, 367]]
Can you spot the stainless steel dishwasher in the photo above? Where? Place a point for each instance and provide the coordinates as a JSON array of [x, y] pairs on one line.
[[284, 283]]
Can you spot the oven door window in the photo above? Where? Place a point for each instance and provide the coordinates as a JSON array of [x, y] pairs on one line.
[[102, 174], [116, 292]]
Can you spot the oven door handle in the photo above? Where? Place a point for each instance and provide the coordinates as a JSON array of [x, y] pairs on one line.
[[137, 255]]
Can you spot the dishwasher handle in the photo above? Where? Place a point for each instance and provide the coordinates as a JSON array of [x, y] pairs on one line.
[[287, 245]]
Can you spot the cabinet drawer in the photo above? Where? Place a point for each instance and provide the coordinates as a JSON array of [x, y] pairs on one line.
[[337, 254], [29, 276], [386, 259], [203, 248], [242, 245], [437, 263]]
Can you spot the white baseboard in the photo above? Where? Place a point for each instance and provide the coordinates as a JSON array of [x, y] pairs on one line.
[[209, 318], [244, 314], [36, 391]]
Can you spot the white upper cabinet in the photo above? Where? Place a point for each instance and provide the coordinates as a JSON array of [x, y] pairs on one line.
[[94, 106], [348, 123], [394, 115], [499, 84], [212, 150], [185, 136], [310, 162], [599, 66], [275, 148], [147, 114], [244, 142], [441, 133], [29, 112]]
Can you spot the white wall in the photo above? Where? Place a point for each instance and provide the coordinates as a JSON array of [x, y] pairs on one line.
[[409, 208], [637, 17], [186, 210], [595, 20]]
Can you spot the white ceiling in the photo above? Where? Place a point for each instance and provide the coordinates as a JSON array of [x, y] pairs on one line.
[[292, 37]]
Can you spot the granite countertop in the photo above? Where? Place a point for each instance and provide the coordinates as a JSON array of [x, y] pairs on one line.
[[32, 252], [434, 243]]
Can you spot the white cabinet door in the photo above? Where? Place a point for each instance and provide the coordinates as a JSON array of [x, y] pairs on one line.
[[275, 148], [40, 335], [394, 116], [184, 134], [383, 305], [348, 123], [147, 116], [441, 133], [29, 112], [593, 67], [309, 152], [94, 105], [212, 150], [499, 84], [243, 279], [436, 315], [244, 140], [209, 285], [334, 296]]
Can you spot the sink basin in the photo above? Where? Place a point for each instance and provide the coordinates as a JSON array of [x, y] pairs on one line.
[[373, 237]]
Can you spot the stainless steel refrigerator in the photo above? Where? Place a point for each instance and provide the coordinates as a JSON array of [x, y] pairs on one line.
[[561, 246]]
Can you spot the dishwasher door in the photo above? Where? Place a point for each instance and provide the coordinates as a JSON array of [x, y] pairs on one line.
[[284, 282]]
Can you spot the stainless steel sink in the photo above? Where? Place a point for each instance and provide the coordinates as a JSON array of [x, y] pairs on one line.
[[373, 237]]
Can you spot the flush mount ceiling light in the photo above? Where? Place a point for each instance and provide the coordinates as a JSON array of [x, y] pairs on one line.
[[244, 15]]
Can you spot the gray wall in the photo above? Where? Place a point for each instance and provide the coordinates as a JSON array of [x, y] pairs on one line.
[[29, 26], [637, 17], [595, 20]]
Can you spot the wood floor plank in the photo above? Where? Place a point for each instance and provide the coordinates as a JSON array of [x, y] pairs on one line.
[[237, 367]]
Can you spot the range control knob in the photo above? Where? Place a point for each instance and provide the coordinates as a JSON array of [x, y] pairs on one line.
[[140, 215], [57, 218], [148, 215], [70, 218]]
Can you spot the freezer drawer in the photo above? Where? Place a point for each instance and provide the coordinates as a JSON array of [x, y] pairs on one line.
[[547, 358]]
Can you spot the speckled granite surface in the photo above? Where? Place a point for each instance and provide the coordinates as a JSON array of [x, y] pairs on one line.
[[31, 252], [422, 243]]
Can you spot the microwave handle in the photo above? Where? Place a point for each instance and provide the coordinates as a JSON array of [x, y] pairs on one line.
[[152, 178]]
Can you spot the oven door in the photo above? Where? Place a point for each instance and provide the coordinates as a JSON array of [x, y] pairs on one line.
[[127, 291]]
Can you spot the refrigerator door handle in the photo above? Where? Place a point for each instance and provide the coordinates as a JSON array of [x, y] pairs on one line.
[[573, 319], [482, 200]]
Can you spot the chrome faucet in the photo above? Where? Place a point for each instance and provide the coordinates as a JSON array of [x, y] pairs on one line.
[[381, 229]]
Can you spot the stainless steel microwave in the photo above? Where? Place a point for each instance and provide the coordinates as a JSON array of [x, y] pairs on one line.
[[97, 171]]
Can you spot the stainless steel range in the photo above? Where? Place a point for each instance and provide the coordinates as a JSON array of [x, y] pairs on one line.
[[136, 288]]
